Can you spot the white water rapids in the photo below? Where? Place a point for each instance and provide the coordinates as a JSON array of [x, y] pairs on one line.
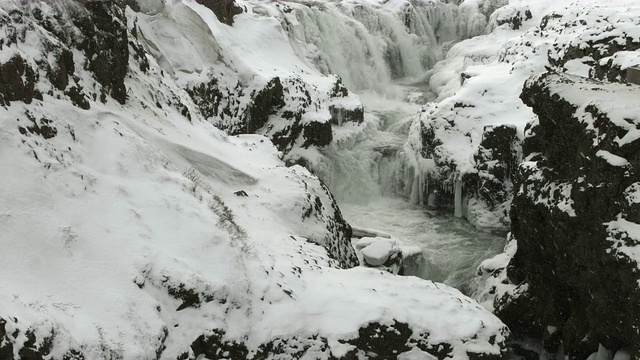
[[365, 176], [373, 47]]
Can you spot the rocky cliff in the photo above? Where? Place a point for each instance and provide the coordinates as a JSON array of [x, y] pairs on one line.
[[575, 218]]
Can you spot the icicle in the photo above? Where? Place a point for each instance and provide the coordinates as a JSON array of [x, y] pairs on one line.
[[421, 181], [426, 191], [414, 189], [458, 196]]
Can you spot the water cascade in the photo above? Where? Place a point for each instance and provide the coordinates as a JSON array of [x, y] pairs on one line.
[[381, 53], [370, 47]]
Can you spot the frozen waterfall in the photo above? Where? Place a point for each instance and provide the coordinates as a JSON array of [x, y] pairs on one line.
[[373, 47], [383, 53]]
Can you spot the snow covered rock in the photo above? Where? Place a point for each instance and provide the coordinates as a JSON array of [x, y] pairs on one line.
[[123, 235], [225, 10], [479, 82], [575, 219], [375, 251]]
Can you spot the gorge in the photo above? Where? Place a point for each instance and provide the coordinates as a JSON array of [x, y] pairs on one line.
[[246, 179]]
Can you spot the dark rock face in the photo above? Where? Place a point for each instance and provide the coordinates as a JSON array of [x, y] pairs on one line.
[[591, 38], [105, 45], [496, 163], [17, 81], [375, 340], [341, 115], [225, 10], [265, 102], [31, 347], [239, 110], [96, 28], [574, 215], [317, 133], [43, 127]]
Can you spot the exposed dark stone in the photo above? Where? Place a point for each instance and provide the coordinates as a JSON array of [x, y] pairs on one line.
[[214, 346], [6, 345], [264, 103], [17, 82], [73, 354], [496, 163], [224, 10], [65, 67], [338, 89], [207, 96], [31, 349], [386, 342], [317, 133], [566, 264], [241, 193], [374, 340], [105, 44], [191, 298], [78, 97], [44, 127], [337, 239], [600, 42]]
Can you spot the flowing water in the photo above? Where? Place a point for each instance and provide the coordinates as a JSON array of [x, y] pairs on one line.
[[365, 176], [372, 49]]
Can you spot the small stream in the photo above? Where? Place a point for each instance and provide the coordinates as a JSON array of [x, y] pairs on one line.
[[452, 248]]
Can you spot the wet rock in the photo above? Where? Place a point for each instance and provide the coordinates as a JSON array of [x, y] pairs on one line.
[[373, 340], [264, 102], [320, 206], [585, 36], [241, 193]]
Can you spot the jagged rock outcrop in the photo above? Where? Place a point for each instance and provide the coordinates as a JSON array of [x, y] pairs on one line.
[[513, 16], [599, 43], [225, 10], [97, 29], [290, 111], [575, 218]]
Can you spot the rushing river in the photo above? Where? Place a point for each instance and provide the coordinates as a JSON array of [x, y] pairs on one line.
[[363, 174]]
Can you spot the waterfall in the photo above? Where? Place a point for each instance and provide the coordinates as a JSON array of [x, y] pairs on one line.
[[368, 165], [383, 52], [371, 47]]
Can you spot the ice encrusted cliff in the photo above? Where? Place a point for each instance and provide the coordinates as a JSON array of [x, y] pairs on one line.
[[470, 138], [132, 228]]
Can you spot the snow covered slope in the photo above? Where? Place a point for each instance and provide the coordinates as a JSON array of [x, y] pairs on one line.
[[132, 228]]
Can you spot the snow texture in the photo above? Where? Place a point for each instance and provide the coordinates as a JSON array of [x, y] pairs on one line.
[[136, 229]]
